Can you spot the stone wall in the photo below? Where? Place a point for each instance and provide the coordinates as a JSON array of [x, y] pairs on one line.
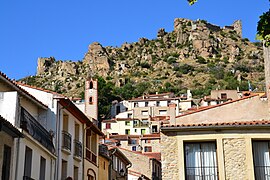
[[169, 158], [235, 158]]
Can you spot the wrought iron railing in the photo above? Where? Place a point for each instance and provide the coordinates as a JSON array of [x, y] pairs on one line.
[[202, 173], [77, 148], [36, 130], [262, 172], [155, 176], [27, 178], [90, 156], [66, 140]]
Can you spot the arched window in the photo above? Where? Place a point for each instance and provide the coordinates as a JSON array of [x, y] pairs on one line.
[[91, 85], [91, 174], [90, 100]]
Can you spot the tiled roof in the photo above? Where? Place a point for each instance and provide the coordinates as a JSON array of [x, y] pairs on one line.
[[9, 128], [40, 89], [76, 112], [151, 136], [155, 155], [24, 92], [244, 124], [215, 106]]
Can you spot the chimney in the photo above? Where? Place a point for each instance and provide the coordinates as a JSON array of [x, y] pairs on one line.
[[172, 113]]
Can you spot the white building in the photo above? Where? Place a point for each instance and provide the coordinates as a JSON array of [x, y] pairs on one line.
[[33, 155], [76, 136], [144, 115]]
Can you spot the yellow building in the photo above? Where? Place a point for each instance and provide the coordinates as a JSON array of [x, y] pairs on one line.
[[225, 141], [103, 162]]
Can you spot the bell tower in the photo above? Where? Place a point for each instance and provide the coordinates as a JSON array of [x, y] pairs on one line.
[[91, 99]]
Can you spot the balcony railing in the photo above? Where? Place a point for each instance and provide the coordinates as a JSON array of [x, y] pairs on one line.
[[91, 156], [27, 178], [66, 140], [202, 173], [262, 172], [36, 130], [138, 124], [77, 148]]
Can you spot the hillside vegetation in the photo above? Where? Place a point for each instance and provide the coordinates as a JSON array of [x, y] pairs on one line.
[[196, 55]]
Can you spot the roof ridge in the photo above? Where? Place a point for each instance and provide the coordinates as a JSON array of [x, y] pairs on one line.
[[13, 82], [218, 105]]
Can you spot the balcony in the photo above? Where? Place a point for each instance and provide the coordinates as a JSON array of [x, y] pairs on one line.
[[36, 130], [90, 156], [66, 140], [138, 124], [77, 148], [27, 178]]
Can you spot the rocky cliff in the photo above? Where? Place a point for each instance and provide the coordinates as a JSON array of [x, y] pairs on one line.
[[196, 55]]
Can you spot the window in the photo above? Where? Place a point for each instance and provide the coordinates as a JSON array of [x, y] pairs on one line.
[[90, 100], [158, 103], [147, 149], [64, 170], [133, 148], [162, 112], [132, 141], [27, 162], [6, 163], [118, 109], [127, 131], [168, 102], [76, 173], [154, 129], [223, 96], [136, 104], [201, 161], [91, 85], [108, 125], [129, 115], [142, 131], [261, 159], [127, 123], [42, 170], [144, 113], [146, 104]]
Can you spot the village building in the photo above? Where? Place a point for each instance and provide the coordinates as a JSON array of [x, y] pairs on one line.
[[76, 136], [8, 133], [30, 154], [223, 141]]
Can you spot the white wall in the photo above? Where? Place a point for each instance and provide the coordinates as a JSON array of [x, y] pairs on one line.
[[9, 106]]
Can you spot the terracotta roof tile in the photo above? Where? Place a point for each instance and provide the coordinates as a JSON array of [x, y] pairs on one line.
[[223, 124]]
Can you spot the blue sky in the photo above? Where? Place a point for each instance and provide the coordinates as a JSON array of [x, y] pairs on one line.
[[64, 29]]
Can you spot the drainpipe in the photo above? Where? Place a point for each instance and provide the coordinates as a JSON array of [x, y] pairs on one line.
[[58, 141], [111, 164], [17, 158]]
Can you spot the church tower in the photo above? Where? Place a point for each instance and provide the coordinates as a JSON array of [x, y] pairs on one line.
[[91, 99]]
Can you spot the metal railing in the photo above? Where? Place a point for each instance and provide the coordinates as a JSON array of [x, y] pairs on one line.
[[36, 130], [202, 173], [90, 156], [77, 148], [66, 140], [262, 172], [27, 178]]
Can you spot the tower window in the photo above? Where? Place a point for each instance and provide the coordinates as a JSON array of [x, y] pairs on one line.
[[91, 100], [91, 85]]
